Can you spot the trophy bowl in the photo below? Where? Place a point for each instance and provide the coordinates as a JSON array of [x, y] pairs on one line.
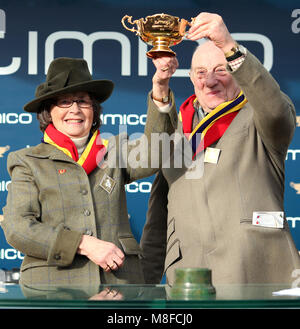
[[161, 31]]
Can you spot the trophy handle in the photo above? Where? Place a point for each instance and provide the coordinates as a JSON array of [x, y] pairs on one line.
[[129, 19], [184, 23], [192, 22]]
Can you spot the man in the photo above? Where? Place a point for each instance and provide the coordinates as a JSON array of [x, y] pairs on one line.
[[229, 218]]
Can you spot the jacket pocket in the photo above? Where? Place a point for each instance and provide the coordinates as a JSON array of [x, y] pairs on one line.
[[269, 248], [33, 265], [130, 245], [248, 222]]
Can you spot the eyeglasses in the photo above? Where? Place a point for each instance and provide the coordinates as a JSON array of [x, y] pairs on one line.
[[201, 73], [67, 102]]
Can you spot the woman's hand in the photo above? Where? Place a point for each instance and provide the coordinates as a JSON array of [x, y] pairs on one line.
[[107, 294], [103, 253]]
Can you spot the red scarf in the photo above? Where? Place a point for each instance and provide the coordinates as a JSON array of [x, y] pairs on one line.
[[91, 156], [213, 126]]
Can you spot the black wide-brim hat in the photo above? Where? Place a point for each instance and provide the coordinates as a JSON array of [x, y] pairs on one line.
[[67, 75]]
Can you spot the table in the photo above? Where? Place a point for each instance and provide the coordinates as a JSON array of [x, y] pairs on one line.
[[142, 297]]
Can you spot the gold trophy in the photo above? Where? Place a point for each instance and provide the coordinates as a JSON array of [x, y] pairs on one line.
[[161, 31]]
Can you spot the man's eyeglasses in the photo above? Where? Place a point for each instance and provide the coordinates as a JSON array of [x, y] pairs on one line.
[[67, 102]]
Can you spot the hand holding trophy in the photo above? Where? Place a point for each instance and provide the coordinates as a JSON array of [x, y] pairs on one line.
[[161, 31]]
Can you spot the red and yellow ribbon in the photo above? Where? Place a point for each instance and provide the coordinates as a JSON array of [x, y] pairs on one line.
[[91, 156], [213, 126]]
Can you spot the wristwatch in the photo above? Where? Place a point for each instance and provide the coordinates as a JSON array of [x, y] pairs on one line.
[[235, 53], [164, 100]]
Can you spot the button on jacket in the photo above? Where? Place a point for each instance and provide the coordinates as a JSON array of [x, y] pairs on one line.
[[52, 202]]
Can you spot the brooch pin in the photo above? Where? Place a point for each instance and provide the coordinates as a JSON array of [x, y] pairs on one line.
[[107, 183]]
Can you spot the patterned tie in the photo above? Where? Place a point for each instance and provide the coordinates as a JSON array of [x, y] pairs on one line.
[[195, 119]]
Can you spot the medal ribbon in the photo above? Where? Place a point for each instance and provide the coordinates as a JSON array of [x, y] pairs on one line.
[[213, 126]]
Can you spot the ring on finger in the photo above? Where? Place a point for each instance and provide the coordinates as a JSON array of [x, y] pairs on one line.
[[165, 68], [114, 265], [113, 292]]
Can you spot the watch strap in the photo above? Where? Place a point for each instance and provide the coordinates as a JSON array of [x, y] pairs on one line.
[[164, 100], [233, 54]]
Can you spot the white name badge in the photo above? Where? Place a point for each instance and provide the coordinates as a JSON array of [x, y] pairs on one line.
[[273, 219], [211, 155]]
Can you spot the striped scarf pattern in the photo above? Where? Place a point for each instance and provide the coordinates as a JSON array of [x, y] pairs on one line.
[[93, 153], [212, 126]]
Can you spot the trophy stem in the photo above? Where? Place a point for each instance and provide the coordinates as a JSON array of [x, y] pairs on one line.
[[160, 44]]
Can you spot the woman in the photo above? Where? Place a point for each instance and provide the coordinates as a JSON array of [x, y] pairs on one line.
[[66, 208]]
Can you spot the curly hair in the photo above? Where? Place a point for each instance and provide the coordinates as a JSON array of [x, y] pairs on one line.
[[44, 117]]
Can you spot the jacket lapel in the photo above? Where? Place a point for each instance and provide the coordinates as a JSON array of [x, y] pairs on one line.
[[44, 151]]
